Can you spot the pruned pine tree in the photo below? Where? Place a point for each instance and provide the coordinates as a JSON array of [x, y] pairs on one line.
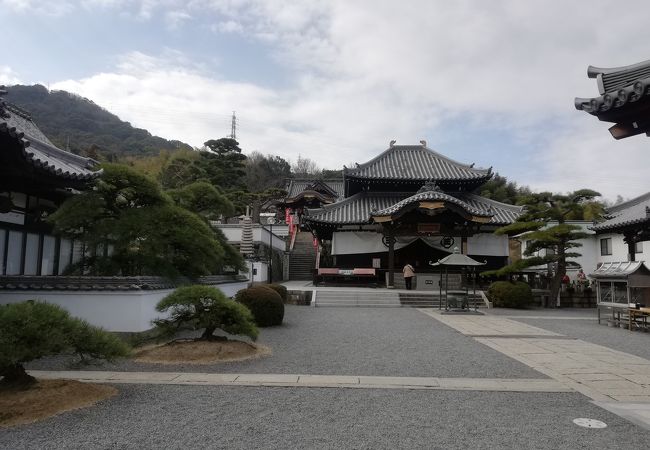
[[544, 219]]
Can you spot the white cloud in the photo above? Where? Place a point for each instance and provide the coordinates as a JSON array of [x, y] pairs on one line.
[[368, 71], [174, 19], [47, 8], [229, 26], [8, 76]]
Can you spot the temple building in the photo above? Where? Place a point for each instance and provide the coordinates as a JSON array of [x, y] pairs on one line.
[[625, 228], [35, 178], [624, 98], [311, 193], [413, 205]]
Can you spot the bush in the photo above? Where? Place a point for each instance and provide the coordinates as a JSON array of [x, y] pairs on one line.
[[281, 290], [31, 330], [506, 294], [205, 308], [265, 304]]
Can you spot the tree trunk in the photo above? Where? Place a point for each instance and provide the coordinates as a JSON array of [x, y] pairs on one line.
[[208, 334], [556, 283], [15, 375]]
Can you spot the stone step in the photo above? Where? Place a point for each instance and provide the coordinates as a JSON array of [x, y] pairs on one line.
[[357, 298]]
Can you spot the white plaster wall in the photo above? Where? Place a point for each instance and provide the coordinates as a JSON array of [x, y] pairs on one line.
[[129, 311], [619, 249], [261, 274], [261, 234], [589, 251], [487, 245], [230, 289]]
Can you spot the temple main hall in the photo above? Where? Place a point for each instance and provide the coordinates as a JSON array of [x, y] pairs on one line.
[[410, 204]]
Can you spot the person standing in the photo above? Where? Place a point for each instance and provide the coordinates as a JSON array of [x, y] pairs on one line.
[[409, 273]]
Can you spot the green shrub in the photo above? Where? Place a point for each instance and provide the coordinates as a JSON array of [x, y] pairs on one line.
[[93, 342], [506, 294], [282, 290], [30, 330], [265, 304], [205, 308]]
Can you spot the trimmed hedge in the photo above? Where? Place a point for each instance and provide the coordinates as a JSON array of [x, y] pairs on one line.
[[281, 290], [265, 304], [507, 294]]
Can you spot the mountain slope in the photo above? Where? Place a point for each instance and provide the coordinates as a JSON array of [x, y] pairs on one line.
[[74, 122]]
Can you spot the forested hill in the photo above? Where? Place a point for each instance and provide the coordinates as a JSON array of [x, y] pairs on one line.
[[74, 122]]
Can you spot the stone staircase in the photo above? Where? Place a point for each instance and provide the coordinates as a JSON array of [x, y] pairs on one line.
[[454, 279], [360, 297], [424, 299], [302, 259]]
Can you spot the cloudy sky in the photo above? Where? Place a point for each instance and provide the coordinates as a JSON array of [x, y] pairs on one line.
[[490, 82]]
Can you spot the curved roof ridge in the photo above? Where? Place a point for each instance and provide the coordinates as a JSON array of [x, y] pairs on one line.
[[417, 147], [335, 205], [416, 162], [628, 203], [431, 195], [494, 202], [593, 71]]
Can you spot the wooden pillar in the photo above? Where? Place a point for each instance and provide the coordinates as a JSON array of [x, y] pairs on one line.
[[389, 234]]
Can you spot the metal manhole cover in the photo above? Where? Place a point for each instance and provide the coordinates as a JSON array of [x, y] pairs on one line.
[[589, 423]]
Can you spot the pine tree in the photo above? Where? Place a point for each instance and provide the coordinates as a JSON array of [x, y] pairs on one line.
[[544, 219]]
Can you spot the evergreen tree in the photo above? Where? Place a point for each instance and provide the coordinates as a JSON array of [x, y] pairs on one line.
[[130, 227], [544, 219]]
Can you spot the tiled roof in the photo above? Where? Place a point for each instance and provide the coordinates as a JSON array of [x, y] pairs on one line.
[[503, 214], [618, 86], [296, 186], [632, 212], [619, 269], [432, 196], [357, 209], [91, 283], [37, 149], [416, 162]]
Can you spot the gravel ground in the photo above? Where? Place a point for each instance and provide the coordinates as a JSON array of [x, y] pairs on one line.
[[636, 342], [171, 417], [356, 341]]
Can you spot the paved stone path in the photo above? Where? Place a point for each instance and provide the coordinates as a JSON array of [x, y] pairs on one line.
[[615, 380], [313, 381]]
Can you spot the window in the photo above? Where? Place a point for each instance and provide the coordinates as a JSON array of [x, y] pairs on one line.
[[606, 246], [638, 247]]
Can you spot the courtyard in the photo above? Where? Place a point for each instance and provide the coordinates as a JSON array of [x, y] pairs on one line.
[[509, 379]]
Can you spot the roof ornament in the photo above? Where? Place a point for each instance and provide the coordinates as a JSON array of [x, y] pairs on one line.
[[429, 186], [472, 165], [423, 142], [392, 143], [3, 104]]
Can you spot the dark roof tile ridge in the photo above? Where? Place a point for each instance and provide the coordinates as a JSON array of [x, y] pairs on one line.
[[65, 155], [593, 71], [453, 161], [630, 203], [18, 111], [351, 171], [494, 202]]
